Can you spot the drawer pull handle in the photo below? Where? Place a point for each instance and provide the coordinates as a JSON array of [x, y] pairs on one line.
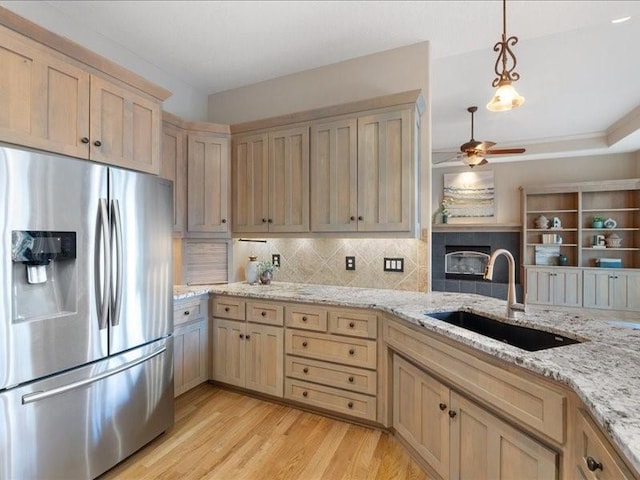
[[187, 312], [305, 370], [305, 393], [593, 464], [226, 309], [84, 140], [351, 324], [304, 319], [443, 406], [352, 351], [264, 314], [97, 143], [304, 344], [452, 413], [350, 404], [241, 335], [350, 379]]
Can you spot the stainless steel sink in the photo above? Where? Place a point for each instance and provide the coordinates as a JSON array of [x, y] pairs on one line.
[[522, 337]]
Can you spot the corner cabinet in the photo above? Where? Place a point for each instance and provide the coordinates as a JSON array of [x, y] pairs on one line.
[[345, 169], [570, 210], [271, 182], [53, 102], [174, 168]]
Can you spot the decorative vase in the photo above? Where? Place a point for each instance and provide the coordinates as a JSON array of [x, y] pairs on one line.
[[562, 260], [614, 241], [445, 218], [597, 224], [251, 270], [542, 222], [265, 278]]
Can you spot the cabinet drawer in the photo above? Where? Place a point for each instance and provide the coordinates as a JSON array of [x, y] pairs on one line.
[[332, 348], [356, 324], [333, 399], [340, 376], [263, 312], [228, 307], [590, 443], [519, 396], [307, 318], [186, 310]]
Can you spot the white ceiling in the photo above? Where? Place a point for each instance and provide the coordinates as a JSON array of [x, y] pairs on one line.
[[579, 72]]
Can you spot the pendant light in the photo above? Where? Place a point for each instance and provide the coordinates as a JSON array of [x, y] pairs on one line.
[[506, 97]]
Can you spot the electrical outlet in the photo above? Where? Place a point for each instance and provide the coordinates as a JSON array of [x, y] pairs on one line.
[[393, 264], [350, 263], [275, 259]]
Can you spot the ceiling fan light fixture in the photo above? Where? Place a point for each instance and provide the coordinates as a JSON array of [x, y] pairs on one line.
[[473, 159], [506, 96]]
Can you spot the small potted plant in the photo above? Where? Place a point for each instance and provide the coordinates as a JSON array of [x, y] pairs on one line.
[[444, 210], [265, 271], [597, 222]]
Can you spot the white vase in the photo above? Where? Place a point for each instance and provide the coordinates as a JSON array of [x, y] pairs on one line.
[[251, 270]]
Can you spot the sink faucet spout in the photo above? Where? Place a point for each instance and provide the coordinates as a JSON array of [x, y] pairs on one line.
[[512, 305]]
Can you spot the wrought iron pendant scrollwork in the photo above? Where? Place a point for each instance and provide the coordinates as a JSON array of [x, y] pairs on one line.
[[505, 54]]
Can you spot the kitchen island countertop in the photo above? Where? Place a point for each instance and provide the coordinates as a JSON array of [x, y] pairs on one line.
[[604, 370]]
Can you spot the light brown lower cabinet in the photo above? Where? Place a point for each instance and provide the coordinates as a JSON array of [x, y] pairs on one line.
[[459, 439], [249, 355], [190, 344]]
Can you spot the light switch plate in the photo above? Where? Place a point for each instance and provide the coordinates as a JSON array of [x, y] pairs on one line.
[[350, 263], [393, 264], [275, 259]]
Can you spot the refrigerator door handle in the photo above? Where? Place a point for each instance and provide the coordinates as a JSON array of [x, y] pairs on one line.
[[118, 278], [41, 395], [105, 266]]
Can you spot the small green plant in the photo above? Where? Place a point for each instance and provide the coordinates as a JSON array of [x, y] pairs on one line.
[[598, 218], [265, 266]]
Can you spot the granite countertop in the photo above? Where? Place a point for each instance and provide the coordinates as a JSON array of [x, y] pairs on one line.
[[604, 370]]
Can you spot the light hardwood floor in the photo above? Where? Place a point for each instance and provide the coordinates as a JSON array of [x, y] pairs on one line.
[[220, 434]]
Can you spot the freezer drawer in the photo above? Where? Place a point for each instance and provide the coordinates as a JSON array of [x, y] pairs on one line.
[[81, 423]]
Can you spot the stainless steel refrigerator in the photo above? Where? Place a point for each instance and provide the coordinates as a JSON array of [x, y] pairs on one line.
[[86, 353]]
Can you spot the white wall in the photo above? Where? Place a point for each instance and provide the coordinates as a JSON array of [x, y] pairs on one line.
[[186, 101], [383, 73], [508, 177]]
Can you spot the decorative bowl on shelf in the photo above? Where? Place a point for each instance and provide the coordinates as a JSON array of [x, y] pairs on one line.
[[610, 223], [614, 241]]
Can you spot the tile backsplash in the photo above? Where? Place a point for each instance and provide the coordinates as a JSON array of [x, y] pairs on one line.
[[322, 261]]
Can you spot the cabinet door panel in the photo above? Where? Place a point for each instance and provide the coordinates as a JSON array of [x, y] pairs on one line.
[[567, 287], [632, 288], [229, 352], [174, 168], [265, 359], [334, 174], [250, 185], [485, 447], [596, 289], [384, 171], [44, 101], [539, 286], [190, 356], [289, 180], [207, 184], [126, 126]]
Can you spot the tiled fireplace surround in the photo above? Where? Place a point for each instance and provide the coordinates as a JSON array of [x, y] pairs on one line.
[[494, 240]]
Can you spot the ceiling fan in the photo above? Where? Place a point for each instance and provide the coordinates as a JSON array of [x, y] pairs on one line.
[[473, 152]]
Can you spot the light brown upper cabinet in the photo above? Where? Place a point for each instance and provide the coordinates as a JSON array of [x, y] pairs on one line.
[[208, 184], [361, 174], [125, 127], [174, 168], [271, 182], [57, 96]]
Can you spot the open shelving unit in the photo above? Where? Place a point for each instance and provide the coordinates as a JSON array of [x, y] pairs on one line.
[[575, 205]]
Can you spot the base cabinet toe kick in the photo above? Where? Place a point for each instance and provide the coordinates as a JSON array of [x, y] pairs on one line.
[[460, 413]]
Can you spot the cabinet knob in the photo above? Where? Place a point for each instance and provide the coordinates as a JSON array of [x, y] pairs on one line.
[[443, 406], [352, 351], [305, 393], [350, 379], [351, 324], [304, 344], [248, 337], [97, 143], [264, 220], [352, 218], [305, 370], [242, 335], [224, 220], [452, 413], [264, 314], [304, 319], [226, 309], [269, 221], [360, 217], [593, 464], [84, 140], [350, 404], [186, 312]]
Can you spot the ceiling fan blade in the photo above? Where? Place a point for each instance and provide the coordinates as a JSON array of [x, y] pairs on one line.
[[448, 158], [484, 146], [503, 151]]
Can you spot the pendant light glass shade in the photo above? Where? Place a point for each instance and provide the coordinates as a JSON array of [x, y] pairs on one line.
[[505, 98], [473, 160]]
